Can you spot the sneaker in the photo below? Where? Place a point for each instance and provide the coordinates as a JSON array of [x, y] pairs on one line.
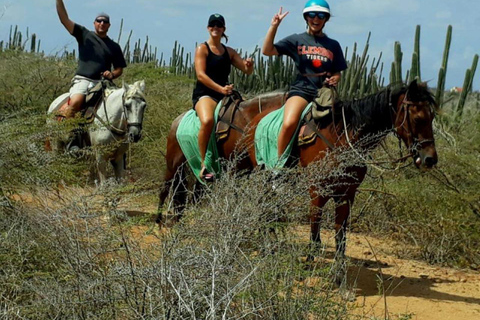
[[206, 176]]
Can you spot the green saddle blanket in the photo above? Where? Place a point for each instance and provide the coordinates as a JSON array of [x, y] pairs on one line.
[[266, 139], [187, 137]]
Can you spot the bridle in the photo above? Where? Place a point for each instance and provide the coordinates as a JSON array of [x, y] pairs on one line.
[[413, 143], [131, 124], [111, 127]]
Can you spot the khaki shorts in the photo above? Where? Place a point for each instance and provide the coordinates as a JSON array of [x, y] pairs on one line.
[[81, 84]]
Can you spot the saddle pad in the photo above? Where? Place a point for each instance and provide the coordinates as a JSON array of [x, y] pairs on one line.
[[266, 139], [187, 137]]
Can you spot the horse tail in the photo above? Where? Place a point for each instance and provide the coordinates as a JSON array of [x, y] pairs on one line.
[[175, 180]]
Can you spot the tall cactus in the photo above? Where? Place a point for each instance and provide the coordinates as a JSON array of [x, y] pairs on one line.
[[442, 73], [415, 69], [396, 71], [467, 86]]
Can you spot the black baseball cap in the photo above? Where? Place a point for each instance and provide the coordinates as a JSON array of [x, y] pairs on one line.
[[216, 17]]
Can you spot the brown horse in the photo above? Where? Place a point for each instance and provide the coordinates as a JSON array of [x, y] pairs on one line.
[[407, 112], [176, 163]]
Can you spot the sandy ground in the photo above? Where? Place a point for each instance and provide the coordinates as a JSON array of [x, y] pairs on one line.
[[412, 288]]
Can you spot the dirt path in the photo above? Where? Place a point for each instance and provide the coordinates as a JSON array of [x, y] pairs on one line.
[[411, 287]]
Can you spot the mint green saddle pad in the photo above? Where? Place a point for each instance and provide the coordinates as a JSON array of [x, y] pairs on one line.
[[266, 139], [187, 137]]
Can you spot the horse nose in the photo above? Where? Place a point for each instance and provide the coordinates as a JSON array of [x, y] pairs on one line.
[[430, 161]]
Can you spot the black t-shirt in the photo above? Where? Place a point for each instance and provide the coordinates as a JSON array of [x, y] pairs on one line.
[[312, 55], [218, 69], [94, 57]]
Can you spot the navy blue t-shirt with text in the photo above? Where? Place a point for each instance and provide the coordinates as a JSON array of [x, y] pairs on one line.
[[312, 55]]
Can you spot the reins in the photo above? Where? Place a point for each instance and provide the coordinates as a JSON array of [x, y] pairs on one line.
[[107, 124]]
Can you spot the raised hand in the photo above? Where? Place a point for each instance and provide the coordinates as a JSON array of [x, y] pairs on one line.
[[248, 63], [278, 17]]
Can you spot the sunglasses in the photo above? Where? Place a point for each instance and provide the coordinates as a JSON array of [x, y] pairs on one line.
[[216, 24], [102, 20], [319, 15]]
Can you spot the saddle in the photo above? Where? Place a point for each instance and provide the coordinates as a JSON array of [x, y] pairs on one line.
[[226, 115]]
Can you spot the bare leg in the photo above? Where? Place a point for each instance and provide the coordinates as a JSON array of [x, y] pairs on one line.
[[68, 110], [205, 109], [293, 110]]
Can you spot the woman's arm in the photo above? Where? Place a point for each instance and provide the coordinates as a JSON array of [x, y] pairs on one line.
[[244, 65], [268, 48]]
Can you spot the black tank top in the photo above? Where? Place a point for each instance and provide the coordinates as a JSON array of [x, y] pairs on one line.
[[218, 69]]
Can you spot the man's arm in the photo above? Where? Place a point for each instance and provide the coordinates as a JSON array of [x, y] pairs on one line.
[[63, 15], [117, 72]]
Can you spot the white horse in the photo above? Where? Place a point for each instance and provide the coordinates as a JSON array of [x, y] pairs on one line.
[[118, 122]]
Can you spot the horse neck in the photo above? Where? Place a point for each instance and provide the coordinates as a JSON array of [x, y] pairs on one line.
[[112, 109], [371, 116]]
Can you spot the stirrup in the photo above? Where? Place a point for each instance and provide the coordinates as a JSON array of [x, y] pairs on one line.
[[206, 176]]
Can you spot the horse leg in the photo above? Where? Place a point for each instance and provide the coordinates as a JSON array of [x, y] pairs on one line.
[[342, 212], [118, 164], [119, 167], [316, 210], [174, 180], [101, 168]]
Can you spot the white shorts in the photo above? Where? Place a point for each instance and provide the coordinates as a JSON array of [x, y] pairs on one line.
[[81, 84]]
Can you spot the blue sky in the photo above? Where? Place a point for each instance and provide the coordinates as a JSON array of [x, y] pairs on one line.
[[165, 21]]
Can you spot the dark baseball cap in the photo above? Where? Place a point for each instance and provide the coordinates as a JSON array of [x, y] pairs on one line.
[[216, 17], [103, 15]]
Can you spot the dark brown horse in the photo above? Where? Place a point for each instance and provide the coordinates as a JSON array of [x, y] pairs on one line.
[[407, 112]]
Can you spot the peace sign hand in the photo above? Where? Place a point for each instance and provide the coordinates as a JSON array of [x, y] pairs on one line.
[[278, 17]]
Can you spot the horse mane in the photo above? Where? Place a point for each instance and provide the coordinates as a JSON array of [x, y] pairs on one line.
[[135, 91], [374, 112]]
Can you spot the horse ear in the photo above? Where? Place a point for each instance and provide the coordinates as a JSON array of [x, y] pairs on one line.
[[412, 88], [413, 85], [141, 85], [125, 86]]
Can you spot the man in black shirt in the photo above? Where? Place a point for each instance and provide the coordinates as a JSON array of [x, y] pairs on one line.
[[97, 53]]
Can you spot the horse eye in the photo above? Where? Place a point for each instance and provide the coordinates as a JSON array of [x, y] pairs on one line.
[[419, 120]]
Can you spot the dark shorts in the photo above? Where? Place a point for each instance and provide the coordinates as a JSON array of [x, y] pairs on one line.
[[196, 99], [304, 95]]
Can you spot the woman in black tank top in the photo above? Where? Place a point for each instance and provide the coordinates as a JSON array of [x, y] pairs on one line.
[[213, 62]]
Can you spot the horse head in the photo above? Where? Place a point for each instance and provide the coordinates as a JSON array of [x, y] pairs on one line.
[[134, 107], [415, 111]]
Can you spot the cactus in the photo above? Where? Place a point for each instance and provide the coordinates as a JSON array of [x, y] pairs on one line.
[[467, 87], [33, 43], [415, 68], [396, 72], [416, 56], [443, 69]]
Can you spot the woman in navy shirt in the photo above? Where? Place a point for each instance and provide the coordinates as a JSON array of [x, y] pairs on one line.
[[319, 60]]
